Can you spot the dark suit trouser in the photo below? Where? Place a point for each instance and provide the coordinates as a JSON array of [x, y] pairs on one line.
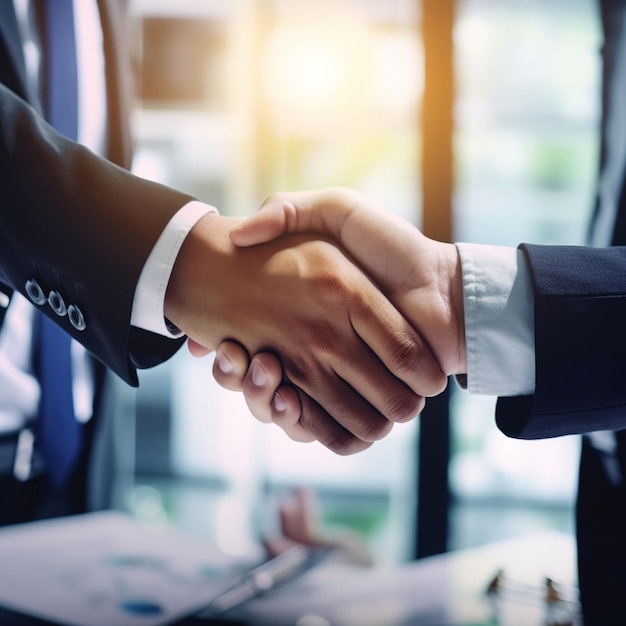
[[38, 498], [601, 530]]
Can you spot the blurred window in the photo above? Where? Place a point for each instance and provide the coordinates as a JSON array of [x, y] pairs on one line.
[[526, 115]]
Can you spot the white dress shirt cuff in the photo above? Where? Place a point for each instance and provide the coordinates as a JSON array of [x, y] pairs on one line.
[[149, 297], [499, 320]]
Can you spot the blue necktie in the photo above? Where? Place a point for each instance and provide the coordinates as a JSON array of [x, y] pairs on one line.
[[62, 72], [59, 434]]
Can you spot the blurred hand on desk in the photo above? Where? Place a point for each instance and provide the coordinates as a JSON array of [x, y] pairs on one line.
[[299, 525]]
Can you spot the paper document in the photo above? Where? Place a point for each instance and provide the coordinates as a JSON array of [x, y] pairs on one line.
[[106, 569]]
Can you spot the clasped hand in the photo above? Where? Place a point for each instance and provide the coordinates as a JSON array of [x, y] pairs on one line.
[[352, 316]]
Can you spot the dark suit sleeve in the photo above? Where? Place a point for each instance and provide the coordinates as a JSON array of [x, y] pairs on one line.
[[580, 344], [83, 227]]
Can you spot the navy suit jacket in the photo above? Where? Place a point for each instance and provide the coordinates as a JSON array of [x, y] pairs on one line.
[[580, 344], [73, 222]]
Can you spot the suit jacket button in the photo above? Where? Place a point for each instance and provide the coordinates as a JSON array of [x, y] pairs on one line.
[[77, 319], [35, 292], [57, 303]]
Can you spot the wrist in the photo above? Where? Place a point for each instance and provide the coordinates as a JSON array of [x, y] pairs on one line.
[[202, 253], [149, 299], [434, 300], [457, 311]]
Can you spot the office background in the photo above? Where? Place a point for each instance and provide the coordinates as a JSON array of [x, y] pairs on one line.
[[242, 98]]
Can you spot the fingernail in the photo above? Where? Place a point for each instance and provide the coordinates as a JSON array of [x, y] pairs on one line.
[[279, 403], [259, 375], [224, 363]]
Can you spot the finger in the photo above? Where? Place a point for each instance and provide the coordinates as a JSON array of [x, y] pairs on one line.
[[371, 385], [400, 349], [197, 349], [301, 417], [321, 426], [266, 396], [270, 401], [357, 407], [387, 393], [286, 412], [363, 387], [230, 365]]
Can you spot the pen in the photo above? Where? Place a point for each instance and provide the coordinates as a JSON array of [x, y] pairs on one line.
[[266, 576]]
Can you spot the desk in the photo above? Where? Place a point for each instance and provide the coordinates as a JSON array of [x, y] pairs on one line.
[[446, 590], [80, 570]]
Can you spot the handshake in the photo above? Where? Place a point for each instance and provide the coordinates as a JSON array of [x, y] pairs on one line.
[[341, 323]]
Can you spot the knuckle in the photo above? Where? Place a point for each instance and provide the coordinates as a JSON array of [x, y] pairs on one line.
[[403, 406], [376, 430], [331, 284], [324, 338], [365, 424], [412, 360], [297, 370], [437, 385], [407, 354], [291, 214], [345, 444], [330, 433], [432, 380], [284, 201]]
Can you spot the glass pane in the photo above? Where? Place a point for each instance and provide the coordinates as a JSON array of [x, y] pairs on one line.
[[526, 113], [526, 144]]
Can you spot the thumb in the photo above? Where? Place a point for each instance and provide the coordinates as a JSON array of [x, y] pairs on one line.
[[266, 225], [321, 211]]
